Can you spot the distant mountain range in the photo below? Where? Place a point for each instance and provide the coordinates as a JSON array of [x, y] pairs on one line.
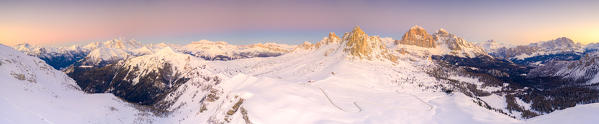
[[112, 51], [540, 53]]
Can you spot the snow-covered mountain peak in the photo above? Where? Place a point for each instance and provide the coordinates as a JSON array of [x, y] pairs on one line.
[[115, 43], [358, 44], [559, 43], [564, 40], [332, 35], [220, 50], [592, 46], [416, 27], [209, 46], [418, 42], [357, 32], [161, 56], [33, 50], [531, 53], [111, 51], [332, 38], [582, 71], [100, 55], [454, 45], [272, 47], [306, 45], [489, 45], [210, 42], [166, 51], [417, 36], [442, 31], [165, 64]]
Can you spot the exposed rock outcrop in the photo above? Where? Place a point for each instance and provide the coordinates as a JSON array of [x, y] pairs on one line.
[[417, 36], [306, 45], [332, 38], [358, 44]]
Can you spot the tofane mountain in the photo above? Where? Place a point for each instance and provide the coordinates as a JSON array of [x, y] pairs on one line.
[[357, 78]]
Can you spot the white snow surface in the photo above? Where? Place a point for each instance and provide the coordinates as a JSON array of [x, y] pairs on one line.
[[34, 92]]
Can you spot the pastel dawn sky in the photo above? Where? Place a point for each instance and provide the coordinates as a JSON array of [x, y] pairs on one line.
[[63, 22]]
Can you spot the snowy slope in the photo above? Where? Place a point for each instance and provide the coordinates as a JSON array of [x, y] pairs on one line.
[[34, 92], [583, 114]]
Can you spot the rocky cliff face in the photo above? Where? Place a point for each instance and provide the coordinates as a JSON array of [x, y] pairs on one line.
[[359, 45], [419, 37], [418, 42]]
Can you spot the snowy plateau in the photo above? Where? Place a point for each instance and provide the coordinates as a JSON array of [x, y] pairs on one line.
[[423, 78]]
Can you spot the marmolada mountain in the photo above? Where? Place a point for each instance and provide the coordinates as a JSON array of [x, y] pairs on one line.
[[424, 77]]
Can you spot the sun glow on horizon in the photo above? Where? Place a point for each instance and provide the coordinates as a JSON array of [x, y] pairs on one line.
[[292, 22]]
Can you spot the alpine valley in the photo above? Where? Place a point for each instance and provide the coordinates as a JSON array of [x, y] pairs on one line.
[[424, 77]]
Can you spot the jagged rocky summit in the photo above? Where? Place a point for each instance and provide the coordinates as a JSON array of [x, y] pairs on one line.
[[417, 36]]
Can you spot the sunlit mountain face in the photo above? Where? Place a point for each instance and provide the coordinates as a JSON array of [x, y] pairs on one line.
[[272, 62]]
